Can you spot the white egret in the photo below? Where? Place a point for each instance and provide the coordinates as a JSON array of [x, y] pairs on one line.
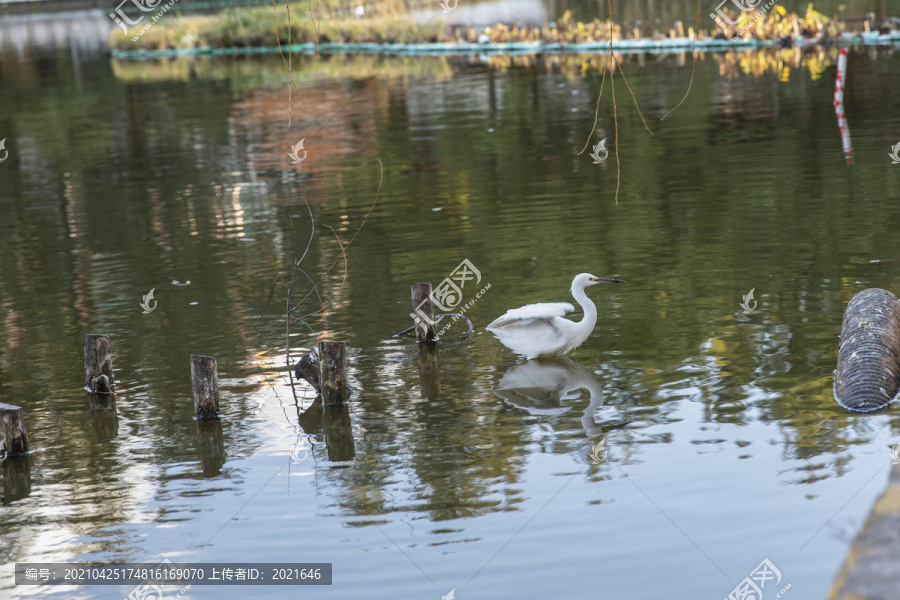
[[540, 329]]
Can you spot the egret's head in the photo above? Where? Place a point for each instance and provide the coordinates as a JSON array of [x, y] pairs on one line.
[[583, 280]]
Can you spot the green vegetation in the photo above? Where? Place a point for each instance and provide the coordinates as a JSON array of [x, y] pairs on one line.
[[330, 22], [252, 27]]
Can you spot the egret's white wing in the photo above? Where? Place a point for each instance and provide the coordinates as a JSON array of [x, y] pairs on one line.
[[530, 312]]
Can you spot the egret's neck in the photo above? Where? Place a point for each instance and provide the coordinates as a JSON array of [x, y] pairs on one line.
[[590, 311]]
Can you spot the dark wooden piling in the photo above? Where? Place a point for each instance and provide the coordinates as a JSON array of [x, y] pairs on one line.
[[104, 418], [429, 371], [308, 367], [16, 479], [98, 371], [338, 433], [333, 373], [205, 381], [212, 447], [423, 312], [311, 420], [12, 430]]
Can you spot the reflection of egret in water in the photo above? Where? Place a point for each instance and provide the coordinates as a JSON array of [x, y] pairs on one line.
[[541, 385]]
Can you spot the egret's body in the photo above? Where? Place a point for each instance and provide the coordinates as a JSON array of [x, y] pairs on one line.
[[541, 329]]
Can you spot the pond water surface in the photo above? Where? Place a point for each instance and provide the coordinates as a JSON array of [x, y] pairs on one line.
[[723, 444]]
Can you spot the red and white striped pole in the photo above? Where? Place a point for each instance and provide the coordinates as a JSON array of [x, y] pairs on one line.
[[839, 106]]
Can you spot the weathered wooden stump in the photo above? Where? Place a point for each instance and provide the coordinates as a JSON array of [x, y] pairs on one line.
[[12, 430], [98, 371], [423, 313], [16, 479], [333, 373], [212, 446], [429, 371], [104, 418], [205, 382], [308, 367], [338, 433]]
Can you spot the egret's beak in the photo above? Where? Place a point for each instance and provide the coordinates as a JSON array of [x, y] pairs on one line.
[[605, 280]]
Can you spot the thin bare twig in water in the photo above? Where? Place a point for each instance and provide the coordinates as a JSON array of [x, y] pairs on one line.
[[600, 95], [596, 115], [612, 83], [693, 62], [622, 71], [315, 287], [315, 22], [279, 277], [287, 5], [344, 249], [318, 297], [268, 300], [343, 279], [290, 290], [284, 60], [602, 82]]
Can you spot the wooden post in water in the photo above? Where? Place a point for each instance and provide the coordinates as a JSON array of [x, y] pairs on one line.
[[423, 312], [104, 418], [12, 430], [333, 373], [16, 479], [429, 371], [205, 381], [212, 446], [98, 372], [338, 433], [308, 367]]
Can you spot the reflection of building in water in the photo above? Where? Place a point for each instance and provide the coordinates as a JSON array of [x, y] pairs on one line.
[[541, 386], [77, 31], [336, 118]]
